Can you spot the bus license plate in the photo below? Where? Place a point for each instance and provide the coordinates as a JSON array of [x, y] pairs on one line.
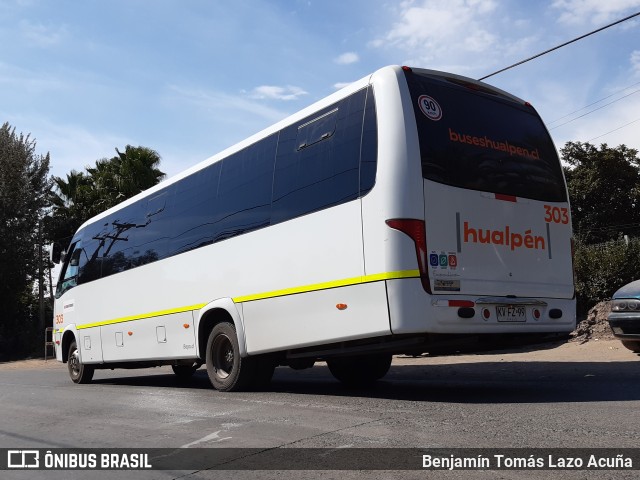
[[511, 313]]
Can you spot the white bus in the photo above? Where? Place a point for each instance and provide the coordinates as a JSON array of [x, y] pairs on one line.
[[411, 208]]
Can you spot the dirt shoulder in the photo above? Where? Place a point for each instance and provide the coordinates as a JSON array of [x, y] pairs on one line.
[[34, 363], [592, 351]]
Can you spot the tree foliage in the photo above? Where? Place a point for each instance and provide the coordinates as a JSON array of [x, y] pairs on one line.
[[604, 189], [603, 268], [81, 195], [24, 187]]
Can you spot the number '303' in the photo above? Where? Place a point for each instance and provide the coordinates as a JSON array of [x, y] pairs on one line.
[[556, 214]]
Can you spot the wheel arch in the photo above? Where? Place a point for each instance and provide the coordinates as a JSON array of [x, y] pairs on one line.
[[68, 337], [221, 310]]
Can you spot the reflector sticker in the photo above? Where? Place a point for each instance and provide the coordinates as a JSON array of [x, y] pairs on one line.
[[430, 107]]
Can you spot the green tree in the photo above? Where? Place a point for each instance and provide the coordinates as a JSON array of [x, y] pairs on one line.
[[24, 189], [604, 190], [82, 195], [125, 175], [603, 268], [73, 200]]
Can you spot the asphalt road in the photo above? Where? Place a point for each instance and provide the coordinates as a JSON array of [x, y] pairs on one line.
[[562, 396]]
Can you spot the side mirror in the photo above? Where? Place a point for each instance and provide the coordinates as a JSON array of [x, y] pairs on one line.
[[56, 253]]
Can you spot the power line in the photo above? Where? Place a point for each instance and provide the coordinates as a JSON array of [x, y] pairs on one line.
[[562, 45], [595, 109], [593, 103], [614, 130]]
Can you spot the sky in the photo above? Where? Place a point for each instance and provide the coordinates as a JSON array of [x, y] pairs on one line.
[[189, 78]]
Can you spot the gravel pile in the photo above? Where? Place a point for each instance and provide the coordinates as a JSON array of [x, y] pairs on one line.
[[595, 326]]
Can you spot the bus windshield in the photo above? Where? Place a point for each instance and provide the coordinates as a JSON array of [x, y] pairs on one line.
[[476, 138]]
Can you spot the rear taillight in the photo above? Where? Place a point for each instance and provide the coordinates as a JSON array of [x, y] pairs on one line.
[[415, 229]]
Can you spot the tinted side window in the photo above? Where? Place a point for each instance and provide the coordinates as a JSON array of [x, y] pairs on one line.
[[369, 149], [316, 130], [190, 217], [151, 241], [327, 159], [244, 195], [223, 200], [324, 173], [119, 239], [90, 265]]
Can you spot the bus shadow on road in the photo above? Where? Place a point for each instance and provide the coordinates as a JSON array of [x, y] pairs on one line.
[[149, 377], [483, 382], [474, 382]]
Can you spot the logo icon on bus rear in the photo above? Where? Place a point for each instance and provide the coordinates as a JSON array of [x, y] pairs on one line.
[[430, 107], [443, 262]]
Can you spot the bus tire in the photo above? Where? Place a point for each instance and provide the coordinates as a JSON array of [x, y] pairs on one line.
[[184, 372], [78, 371], [632, 345], [360, 370], [226, 369]]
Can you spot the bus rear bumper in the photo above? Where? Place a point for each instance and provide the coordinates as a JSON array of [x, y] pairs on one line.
[[412, 310]]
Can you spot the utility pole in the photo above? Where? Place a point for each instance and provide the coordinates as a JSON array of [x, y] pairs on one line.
[[40, 279]]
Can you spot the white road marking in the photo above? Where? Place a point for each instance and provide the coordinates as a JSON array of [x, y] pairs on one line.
[[213, 437]]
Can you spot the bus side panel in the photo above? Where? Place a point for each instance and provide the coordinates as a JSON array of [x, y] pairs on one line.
[[398, 191], [90, 344], [315, 251], [314, 254], [162, 337], [313, 318]]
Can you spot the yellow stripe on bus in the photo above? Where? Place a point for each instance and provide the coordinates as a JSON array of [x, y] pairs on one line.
[[261, 296], [159, 313], [327, 285]]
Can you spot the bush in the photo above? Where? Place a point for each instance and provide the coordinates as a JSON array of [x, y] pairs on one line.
[[602, 269]]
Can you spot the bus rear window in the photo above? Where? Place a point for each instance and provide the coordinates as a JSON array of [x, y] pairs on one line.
[[481, 140]]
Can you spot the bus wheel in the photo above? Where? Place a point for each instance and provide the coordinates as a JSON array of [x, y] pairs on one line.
[[78, 371], [634, 346], [184, 371], [226, 369], [360, 370]]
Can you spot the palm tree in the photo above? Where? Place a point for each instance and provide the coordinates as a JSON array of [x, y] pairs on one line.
[[137, 169], [125, 175], [82, 195], [72, 202]]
